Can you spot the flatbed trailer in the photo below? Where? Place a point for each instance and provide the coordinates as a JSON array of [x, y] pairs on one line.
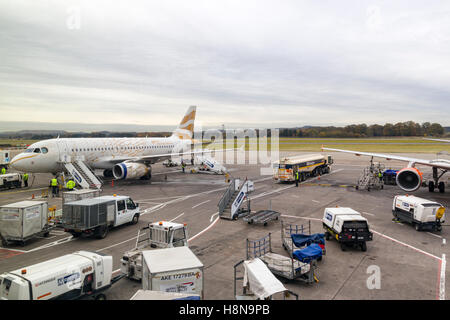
[[261, 216], [285, 267], [288, 231]]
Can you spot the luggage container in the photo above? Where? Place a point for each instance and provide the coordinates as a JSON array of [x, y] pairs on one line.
[[172, 270], [76, 195], [24, 220]]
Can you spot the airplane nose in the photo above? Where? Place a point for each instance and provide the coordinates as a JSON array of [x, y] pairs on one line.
[[15, 162]]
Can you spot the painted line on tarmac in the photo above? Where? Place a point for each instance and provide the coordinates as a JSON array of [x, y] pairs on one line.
[[441, 278], [444, 241], [28, 190], [198, 205], [206, 229], [17, 250], [370, 214], [315, 201], [211, 219], [176, 217], [115, 245], [436, 235]]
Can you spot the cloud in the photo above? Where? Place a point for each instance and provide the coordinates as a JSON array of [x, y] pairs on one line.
[[254, 62]]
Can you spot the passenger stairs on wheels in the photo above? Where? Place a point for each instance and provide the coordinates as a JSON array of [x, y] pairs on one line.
[[82, 174], [233, 198]]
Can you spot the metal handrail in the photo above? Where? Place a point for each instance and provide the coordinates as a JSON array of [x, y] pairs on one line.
[[226, 197]]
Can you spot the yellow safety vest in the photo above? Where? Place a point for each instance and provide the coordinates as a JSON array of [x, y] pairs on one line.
[[70, 184], [54, 183], [3, 170], [25, 177]]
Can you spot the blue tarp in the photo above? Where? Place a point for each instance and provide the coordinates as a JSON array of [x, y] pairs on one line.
[[301, 240], [390, 172], [306, 255]]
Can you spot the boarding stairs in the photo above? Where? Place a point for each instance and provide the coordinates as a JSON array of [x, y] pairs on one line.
[[83, 175], [369, 178], [233, 198]]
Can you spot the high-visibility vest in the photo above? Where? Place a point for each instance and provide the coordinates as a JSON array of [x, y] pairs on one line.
[[25, 177], [3, 170], [70, 184], [54, 183], [296, 175]]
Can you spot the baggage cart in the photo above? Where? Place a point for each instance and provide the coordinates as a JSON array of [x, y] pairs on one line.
[[294, 237], [262, 217]]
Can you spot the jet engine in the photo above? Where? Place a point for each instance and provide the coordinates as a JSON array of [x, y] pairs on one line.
[[409, 179], [131, 170]]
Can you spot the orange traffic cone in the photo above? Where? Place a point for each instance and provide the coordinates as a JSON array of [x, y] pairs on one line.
[[112, 183], [32, 196]]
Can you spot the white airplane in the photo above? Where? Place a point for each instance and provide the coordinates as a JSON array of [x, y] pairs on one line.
[[122, 158], [410, 178]]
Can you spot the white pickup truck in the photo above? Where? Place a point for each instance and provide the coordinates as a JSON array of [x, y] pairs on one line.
[[162, 234], [421, 213], [71, 276]]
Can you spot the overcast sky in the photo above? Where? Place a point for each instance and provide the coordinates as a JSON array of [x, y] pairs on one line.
[[251, 62]]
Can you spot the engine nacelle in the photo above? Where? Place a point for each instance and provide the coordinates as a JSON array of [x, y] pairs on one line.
[[130, 170], [409, 179]]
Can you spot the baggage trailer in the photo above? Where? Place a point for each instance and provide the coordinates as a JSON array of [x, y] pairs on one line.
[[347, 226], [289, 268], [161, 234], [72, 276], [172, 270], [421, 213], [24, 220], [294, 237], [262, 216], [95, 216], [10, 180]]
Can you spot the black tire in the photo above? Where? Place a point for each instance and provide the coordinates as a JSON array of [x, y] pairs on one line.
[[363, 247], [101, 232], [441, 187], [431, 186], [100, 296], [3, 241], [327, 236], [46, 234], [417, 227], [135, 219], [76, 234], [343, 247], [439, 228]]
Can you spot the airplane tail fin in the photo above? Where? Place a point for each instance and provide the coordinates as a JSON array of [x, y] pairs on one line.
[[185, 129]]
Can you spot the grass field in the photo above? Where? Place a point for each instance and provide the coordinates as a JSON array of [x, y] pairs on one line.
[[15, 142], [391, 145]]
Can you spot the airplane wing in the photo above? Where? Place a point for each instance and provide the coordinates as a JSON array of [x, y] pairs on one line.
[[440, 140], [438, 163], [160, 157]]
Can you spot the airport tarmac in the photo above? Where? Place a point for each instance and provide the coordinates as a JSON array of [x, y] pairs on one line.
[[412, 264]]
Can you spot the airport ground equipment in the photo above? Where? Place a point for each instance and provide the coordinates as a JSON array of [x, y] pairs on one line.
[[162, 234], [231, 201], [81, 194], [287, 267], [11, 180], [205, 164], [172, 270], [72, 276], [369, 179], [294, 237], [82, 174], [95, 216], [421, 213], [5, 158], [258, 282], [24, 220], [158, 295], [307, 166], [390, 176], [261, 217], [347, 226]]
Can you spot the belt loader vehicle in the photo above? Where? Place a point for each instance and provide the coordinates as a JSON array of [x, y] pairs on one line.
[[421, 213], [95, 216], [347, 226], [69, 277], [310, 165], [160, 235], [10, 180]]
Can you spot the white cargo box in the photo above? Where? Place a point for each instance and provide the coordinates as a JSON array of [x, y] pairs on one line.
[[421, 210], [334, 217], [81, 194], [22, 220], [158, 295], [172, 270]]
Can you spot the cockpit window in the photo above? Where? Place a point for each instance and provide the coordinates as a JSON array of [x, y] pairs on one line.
[[44, 150], [37, 150]]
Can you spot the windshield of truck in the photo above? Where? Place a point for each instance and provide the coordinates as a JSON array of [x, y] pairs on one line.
[[427, 205], [355, 226], [178, 235], [6, 285], [130, 204]]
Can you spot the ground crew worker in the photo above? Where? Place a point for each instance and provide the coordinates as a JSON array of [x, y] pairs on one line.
[[70, 185], [25, 179], [3, 170], [380, 176], [183, 165], [54, 185], [296, 179]]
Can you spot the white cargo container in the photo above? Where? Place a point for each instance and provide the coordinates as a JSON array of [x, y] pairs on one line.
[[68, 277], [24, 220], [10, 180], [81, 194], [421, 213], [172, 270], [347, 226]]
